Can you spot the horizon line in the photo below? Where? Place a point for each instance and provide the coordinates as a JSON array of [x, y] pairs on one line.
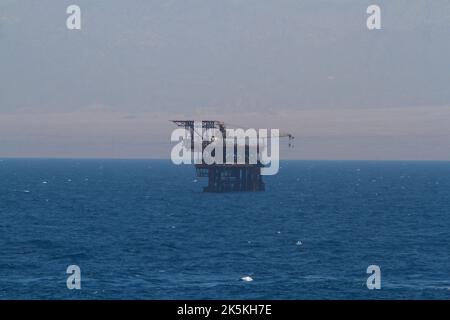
[[168, 159]]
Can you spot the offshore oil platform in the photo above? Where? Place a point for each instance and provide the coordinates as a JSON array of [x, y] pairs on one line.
[[243, 175]]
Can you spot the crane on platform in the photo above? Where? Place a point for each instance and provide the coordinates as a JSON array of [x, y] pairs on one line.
[[244, 175], [222, 126]]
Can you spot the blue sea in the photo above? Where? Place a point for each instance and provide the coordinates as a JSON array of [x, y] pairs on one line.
[[143, 229]]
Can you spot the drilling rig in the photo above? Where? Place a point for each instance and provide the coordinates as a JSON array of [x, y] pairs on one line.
[[242, 175]]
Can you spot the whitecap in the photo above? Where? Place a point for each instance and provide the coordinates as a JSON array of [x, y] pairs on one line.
[[247, 279]]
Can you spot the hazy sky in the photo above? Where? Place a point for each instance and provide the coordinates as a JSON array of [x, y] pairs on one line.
[[311, 68]]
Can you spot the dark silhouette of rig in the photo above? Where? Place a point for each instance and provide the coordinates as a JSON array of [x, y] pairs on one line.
[[225, 177]]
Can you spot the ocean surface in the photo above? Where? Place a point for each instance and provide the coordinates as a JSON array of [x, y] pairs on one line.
[[142, 229]]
